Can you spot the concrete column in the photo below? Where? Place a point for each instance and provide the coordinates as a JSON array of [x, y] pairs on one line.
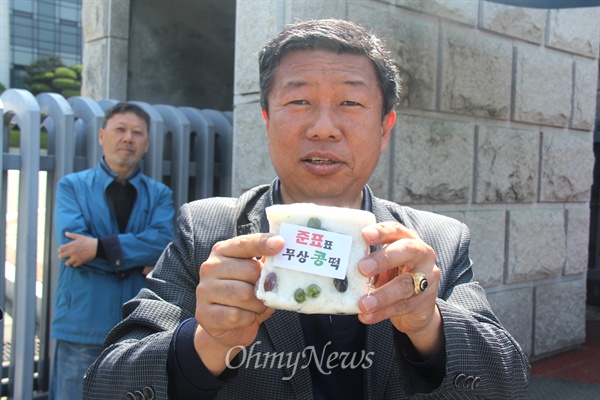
[[4, 44], [105, 51]]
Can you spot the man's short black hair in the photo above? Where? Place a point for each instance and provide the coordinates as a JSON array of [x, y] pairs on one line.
[[339, 37], [121, 108]]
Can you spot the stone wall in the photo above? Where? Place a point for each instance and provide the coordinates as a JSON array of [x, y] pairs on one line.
[[494, 129], [175, 52]]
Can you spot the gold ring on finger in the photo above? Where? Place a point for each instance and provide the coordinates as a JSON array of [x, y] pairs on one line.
[[419, 281]]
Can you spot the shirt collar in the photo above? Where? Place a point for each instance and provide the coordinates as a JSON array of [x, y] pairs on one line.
[[110, 172], [367, 201]]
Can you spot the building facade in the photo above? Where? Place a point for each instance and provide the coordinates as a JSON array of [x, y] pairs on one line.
[[34, 29]]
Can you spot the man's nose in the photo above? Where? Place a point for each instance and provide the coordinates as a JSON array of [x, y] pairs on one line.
[[128, 136], [325, 124]]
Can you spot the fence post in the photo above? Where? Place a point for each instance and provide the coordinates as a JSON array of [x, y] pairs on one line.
[[224, 147], [179, 126], [204, 149], [153, 165], [61, 142], [91, 116], [27, 115], [2, 229]]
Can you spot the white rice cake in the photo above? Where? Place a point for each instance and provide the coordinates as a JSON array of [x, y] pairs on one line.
[[294, 289]]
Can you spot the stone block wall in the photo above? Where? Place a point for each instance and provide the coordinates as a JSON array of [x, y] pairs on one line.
[[494, 129]]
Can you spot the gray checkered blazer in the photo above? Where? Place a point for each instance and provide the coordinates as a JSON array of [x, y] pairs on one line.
[[483, 360]]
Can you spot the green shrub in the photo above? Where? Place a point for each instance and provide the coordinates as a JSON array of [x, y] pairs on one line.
[[15, 138], [65, 83], [77, 68], [48, 74], [37, 88], [64, 72], [43, 77], [70, 93]]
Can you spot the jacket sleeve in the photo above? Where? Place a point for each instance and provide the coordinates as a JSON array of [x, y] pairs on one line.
[[483, 360], [144, 248], [68, 215], [127, 250]]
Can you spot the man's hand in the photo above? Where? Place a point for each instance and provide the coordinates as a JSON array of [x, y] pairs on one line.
[[147, 269], [80, 250], [394, 295], [227, 310]]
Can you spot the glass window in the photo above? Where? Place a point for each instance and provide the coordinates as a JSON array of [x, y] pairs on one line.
[[69, 60], [23, 57], [40, 28], [17, 75], [25, 42], [46, 9], [24, 32], [46, 53], [45, 35], [20, 20], [23, 5], [68, 13], [47, 46], [66, 23], [48, 25], [68, 39], [65, 48], [70, 29]]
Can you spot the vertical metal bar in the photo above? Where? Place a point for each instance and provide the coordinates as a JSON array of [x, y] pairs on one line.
[[179, 126], [2, 236], [91, 116], [224, 146], [153, 166], [58, 110], [205, 151], [27, 115]]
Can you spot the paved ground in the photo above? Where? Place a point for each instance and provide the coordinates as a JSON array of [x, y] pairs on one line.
[[573, 375]]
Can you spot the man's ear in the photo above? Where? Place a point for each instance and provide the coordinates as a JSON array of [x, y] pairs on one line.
[[386, 129], [265, 115], [101, 136]]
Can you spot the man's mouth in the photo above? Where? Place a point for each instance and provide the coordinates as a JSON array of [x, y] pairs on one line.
[[316, 160]]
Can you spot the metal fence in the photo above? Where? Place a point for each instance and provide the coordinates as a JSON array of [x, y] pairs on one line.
[[190, 151]]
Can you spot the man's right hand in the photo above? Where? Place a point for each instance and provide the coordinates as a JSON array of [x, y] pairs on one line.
[[227, 310]]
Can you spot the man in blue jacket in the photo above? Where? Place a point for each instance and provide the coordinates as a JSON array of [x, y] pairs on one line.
[[112, 223]]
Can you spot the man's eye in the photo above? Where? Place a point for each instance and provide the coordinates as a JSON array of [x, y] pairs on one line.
[[298, 102], [350, 103]]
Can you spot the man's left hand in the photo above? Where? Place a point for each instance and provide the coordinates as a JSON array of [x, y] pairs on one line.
[[394, 296]]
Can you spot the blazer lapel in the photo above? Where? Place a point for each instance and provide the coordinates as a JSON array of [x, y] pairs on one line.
[[380, 345], [285, 332]]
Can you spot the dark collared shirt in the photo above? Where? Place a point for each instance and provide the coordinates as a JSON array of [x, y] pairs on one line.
[[121, 196]]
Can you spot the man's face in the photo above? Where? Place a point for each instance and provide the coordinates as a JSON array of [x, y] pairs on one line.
[[324, 127], [125, 141]]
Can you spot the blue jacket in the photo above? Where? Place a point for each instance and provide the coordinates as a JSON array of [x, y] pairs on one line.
[[88, 299]]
